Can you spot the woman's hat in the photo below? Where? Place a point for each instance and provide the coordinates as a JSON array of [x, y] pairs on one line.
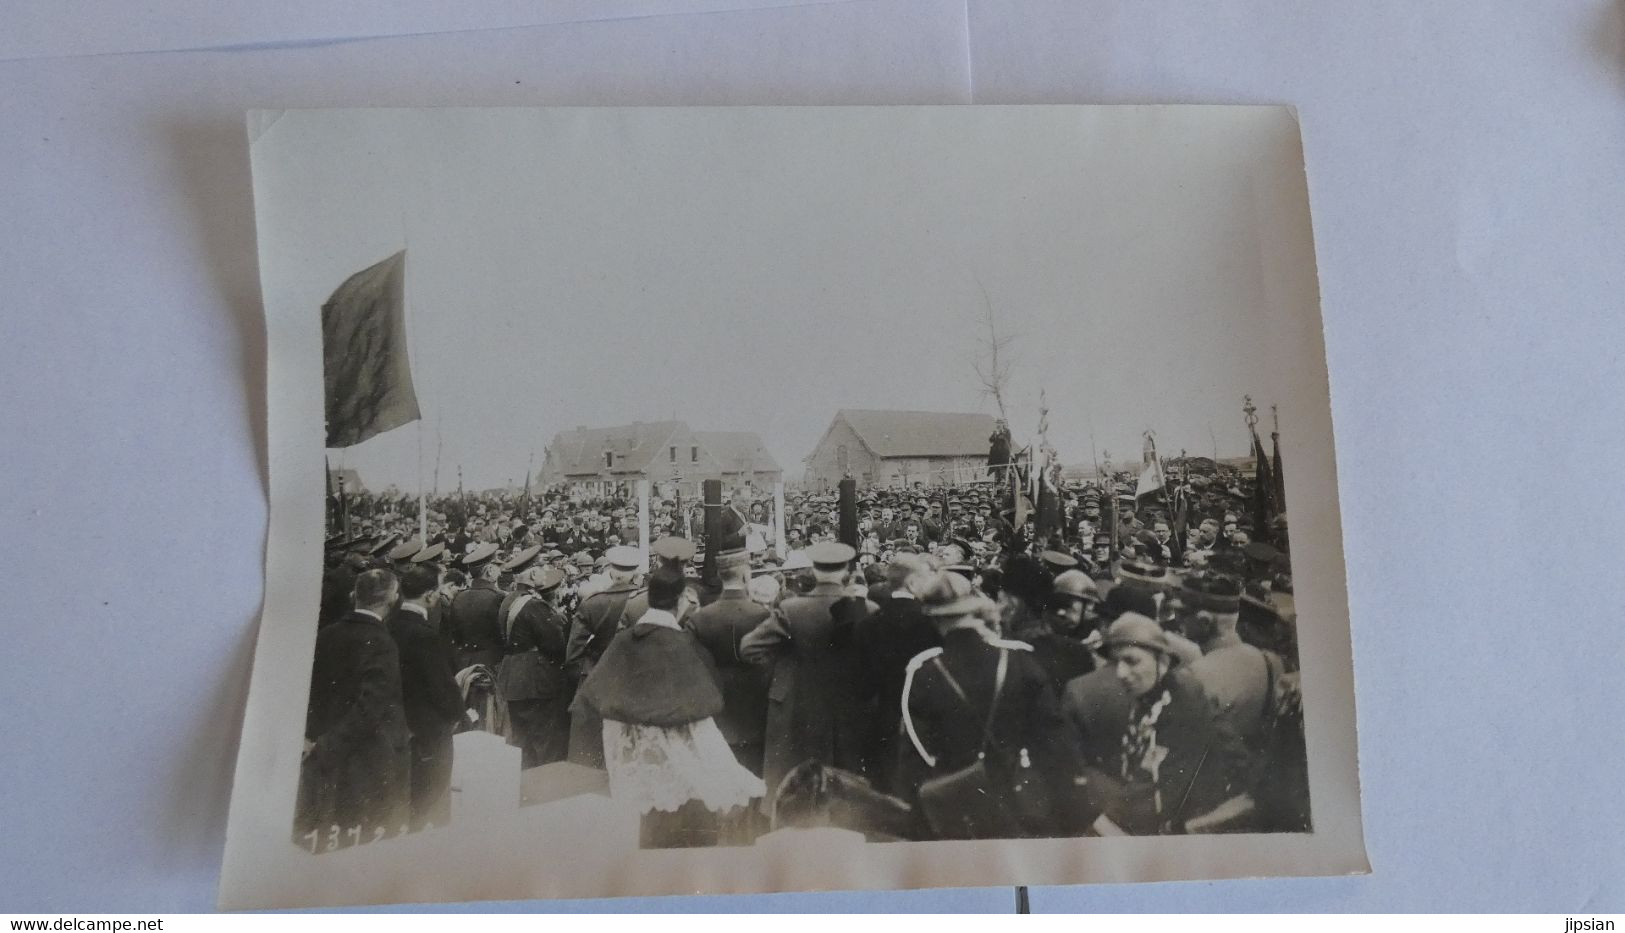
[[1143, 574], [944, 593], [1208, 591], [1134, 630]]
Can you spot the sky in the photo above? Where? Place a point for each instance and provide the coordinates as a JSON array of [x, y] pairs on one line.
[[757, 269]]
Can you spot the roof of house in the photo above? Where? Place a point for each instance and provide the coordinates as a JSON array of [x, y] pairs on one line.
[[581, 452], [737, 450], [920, 433]]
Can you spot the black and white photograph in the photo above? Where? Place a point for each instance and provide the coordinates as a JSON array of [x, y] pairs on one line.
[[757, 499]]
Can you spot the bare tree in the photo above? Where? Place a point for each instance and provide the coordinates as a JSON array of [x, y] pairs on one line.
[[993, 361]]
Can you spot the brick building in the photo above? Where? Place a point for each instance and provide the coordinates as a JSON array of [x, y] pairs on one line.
[[900, 448]]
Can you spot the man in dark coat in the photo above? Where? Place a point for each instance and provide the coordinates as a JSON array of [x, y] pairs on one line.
[[886, 641], [816, 705], [669, 550], [720, 627], [597, 620], [434, 704], [354, 778], [472, 622], [1024, 593], [980, 698], [734, 522], [598, 617], [337, 584], [998, 451], [532, 678]]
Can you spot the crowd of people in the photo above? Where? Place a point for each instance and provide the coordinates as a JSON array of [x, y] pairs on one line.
[[961, 665]]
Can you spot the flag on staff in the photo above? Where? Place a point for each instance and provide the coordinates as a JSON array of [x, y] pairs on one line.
[[1264, 487], [1263, 491], [1020, 505], [1280, 483], [367, 375], [332, 494], [1180, 525], [1151, 481]]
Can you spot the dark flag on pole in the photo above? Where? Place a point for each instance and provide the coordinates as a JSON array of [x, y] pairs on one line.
[[1263, 492], [368, 378], [1280, 483]]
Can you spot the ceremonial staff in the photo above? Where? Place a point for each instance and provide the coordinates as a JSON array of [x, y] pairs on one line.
[[848, 516], [680, 517]]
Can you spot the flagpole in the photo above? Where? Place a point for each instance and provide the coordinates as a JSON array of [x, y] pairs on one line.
[[778, 521], [439, 445], [643, 525], [423, 506]]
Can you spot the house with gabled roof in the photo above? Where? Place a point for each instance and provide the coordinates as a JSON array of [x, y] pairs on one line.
[[900, 448], [669, 454]]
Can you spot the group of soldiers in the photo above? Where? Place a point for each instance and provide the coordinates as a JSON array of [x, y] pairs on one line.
[[1109, 667]]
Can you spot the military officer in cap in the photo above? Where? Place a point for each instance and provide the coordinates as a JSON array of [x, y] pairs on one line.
[[516, 562], [1100, 569], [472, 622], [532, 678], [1058, 562], [401, 554], [668, 550], [434, 553], [383, 545], [597, 620], [815, 702], [599, 616], [1239, 678], [934, 525], [720, 628], [433, 557]]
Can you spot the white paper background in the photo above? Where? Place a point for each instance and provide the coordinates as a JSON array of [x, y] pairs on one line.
[[1465, 163]]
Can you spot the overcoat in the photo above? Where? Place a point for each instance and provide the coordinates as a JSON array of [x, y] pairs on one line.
[[473, 625], [434, 707], [1027, 748], [817, 709], [355, 775], [720, 627], [886, 641], [597, 619]]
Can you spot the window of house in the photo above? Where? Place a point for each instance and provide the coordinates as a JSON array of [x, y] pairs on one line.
[[674, 455], [609, 458], [694, 455]]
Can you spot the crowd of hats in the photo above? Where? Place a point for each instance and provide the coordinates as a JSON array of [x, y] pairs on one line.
[[967, 528]]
